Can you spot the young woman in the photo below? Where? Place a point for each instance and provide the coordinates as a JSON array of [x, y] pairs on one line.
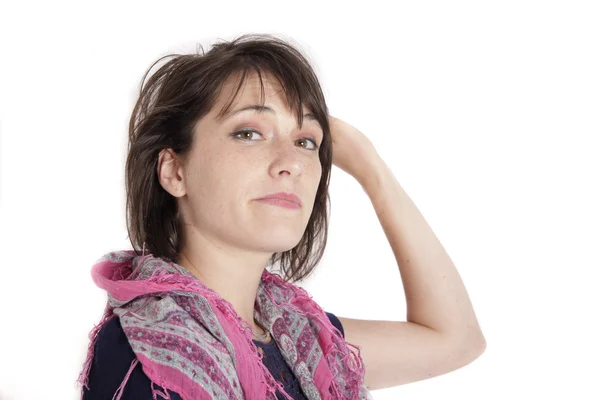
[[227, 173]]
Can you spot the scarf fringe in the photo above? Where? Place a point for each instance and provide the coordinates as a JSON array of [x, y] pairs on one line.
[[156, 392], [82, 381], [121, 388]]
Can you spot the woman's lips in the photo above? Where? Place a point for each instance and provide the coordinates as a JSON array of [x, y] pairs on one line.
[[280, 203]]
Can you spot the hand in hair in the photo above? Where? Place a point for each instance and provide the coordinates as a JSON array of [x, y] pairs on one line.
[[353, 152]]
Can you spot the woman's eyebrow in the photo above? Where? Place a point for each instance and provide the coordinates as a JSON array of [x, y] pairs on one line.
[[260, 109]]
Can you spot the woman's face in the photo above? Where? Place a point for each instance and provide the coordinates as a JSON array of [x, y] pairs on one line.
[[247, 155]]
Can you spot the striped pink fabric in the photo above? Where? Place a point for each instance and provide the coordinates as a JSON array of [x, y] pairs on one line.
[[191, 341]]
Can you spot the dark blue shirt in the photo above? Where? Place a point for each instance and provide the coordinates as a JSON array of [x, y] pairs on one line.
[[113, 357]]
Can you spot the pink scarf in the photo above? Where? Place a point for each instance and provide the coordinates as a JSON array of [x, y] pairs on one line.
[[191, 341]]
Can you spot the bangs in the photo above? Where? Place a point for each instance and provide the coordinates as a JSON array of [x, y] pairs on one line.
[[297, 93]]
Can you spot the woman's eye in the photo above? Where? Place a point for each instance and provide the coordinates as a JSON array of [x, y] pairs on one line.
[[246, 135], [245, 132], [315, 147]]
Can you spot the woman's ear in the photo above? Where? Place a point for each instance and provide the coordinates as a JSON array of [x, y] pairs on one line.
[[170, 172]]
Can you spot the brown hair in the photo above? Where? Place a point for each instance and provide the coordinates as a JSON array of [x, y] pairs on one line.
[[170, 104]]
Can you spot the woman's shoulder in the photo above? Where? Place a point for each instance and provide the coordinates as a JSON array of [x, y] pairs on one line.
[[111, 348], [336, 322], [113, 357], [112, 337]]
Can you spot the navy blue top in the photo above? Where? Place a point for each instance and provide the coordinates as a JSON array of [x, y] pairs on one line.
[[113, 357]]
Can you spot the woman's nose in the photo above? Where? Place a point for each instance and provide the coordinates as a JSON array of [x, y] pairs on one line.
[[285, 156]]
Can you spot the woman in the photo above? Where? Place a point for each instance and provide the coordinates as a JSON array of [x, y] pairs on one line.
[[197, 168], [227, 173]]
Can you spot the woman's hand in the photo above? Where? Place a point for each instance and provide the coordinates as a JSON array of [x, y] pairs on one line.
[[353, 152]]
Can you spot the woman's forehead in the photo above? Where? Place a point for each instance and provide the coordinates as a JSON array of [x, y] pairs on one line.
[[254, 90]]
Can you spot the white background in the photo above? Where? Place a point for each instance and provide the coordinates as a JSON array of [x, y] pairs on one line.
[[487, 112]]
